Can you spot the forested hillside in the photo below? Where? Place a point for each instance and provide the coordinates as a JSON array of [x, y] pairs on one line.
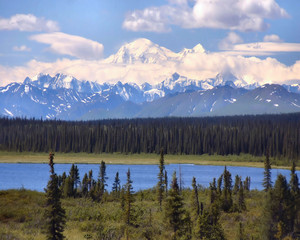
[[277, 134]]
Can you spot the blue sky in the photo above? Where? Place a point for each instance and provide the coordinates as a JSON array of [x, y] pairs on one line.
[[38, 32]]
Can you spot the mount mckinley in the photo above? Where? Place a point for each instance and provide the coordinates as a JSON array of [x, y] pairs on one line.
[[67, 98], [64, 97]]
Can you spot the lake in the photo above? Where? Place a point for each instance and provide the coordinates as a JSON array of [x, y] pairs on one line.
[[36, 176]]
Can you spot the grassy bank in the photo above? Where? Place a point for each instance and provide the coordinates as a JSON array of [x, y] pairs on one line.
[[118, 158]]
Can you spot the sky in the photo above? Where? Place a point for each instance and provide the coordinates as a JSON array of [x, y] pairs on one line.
[[259, 41]]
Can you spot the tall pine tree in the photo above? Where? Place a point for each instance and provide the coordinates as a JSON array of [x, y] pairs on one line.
[[267, 182], [174, 210], [161, 180], [55, 214], [195, 199], [128, 197], [116, 188]]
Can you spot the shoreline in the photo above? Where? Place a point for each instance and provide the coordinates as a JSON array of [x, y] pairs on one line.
[[137, 159]]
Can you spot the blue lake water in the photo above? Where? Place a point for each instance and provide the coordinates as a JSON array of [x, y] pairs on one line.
[[36, 176]]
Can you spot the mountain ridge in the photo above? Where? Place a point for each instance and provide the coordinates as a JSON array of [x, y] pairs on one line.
[[64, 97]]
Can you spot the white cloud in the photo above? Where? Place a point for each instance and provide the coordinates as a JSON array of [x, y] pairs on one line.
[[264, 48], [242, 15], [22, 48], [66, 44], [231, 39], [148, 20], [272, 38], [195, 65], [28, 23]]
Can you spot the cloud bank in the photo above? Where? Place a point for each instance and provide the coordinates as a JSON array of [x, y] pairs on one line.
[[66, 44], [241, 15], [198, 65], [28, 23]]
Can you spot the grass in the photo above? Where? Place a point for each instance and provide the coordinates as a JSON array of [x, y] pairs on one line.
[[118, 158], [22, 211]]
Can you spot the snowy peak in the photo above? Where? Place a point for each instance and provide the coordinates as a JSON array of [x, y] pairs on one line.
[[228, 79], [198, 49], [186, 51], [61, 81], [144, 51], [141, 51]]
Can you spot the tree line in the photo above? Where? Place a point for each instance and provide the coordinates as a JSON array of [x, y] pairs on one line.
[[277, 134]]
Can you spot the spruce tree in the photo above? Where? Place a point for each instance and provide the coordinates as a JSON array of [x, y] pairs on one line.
[[226, 197], [166, 182], [128, 198], [267, 182], [241, 198], [84, 185], [268, 222], [161, 181], [247, 184], [294, 181], [55, 214], [236, 184], [213, 194], [116, 188], [174, 210], [90, 180], [74, 178], [102, 177], [295, 198], [195, 199], [283, 213]]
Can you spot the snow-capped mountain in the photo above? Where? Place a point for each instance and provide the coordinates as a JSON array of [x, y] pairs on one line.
[[62, 81], [141, 50], [65, 97]]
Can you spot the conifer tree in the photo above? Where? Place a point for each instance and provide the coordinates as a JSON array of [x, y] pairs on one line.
[[219, 186], [268, 222], [63, 181], [166, 182], [267, 182], [128, 197], [174, 210], [294, 181], [241, 198], [236, 184], [247, 184], [213, 191], [195, 199], [281, 200], [116, 188], [102, 177], [101, 182], [74, 178], [295, 198], [84, 185], [90, 180], [55, 214], [161, 181], [226, 197]]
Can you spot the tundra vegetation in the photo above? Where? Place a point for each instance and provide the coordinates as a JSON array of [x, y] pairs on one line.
[[75, 208]]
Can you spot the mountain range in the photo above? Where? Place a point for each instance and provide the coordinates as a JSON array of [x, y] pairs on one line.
[[64, 97], [67, 98]]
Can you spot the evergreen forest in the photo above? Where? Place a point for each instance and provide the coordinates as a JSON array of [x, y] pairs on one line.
[[279, 135]]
